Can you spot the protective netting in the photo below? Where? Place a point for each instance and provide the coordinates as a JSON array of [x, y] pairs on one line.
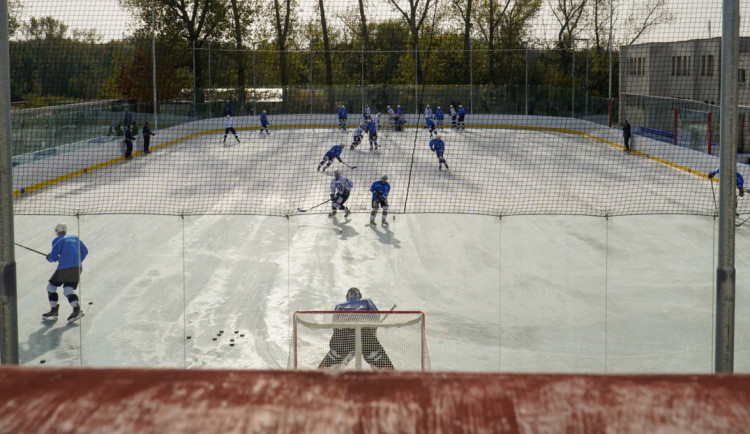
[[545, 89]]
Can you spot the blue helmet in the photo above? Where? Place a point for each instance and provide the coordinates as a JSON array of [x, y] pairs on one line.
[[353, 294]]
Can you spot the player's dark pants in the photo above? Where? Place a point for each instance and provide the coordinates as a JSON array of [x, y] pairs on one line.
[[68, 278], [453, 121], [357, 140], [627, 143], [128, 148], [146, 144], [461, 123], [342, 345], [339, 199]]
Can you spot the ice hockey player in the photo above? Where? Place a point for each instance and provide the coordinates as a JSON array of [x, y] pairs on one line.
[[437, 145], [461, 117], [380, 190], [430, 126], [367, 113], [334, 152], [376, 120], [391, 116], [428, 112], [740, 181], [264, 123], [229, 128], [341, 186], [454, 115], [626, 134], [69, 252], [342, 118], [439, 117], [343, 341], [357, 136], [372, 132]]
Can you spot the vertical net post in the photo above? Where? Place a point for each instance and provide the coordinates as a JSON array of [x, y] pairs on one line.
[[675, 126], [709, 134]]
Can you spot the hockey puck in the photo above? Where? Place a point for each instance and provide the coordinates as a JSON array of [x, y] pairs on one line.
[[214, 338], [236, 331], [218, 334], [90, 303], [242, 335], [231, 345], [42, 361], [189, 337]]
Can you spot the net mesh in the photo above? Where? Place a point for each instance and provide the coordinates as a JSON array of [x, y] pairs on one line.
[[358, 339], [544, 106]]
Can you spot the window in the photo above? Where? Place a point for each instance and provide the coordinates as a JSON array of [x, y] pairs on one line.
[[703, 65], [710, 65], [741, 76], [679, 66], [673, 66]]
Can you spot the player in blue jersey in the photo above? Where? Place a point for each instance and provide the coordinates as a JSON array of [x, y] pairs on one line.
[[264, 123], [69, 252], [334, 152], [439, 117], [438, 147], [343, 342], [740, 181], [341, 187], [372, 132], [430, 126], [461, 117], [357, 136], [380, 190], [342, 114]]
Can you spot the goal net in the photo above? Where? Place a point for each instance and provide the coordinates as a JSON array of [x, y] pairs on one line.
[[359, 340], [693, 129]]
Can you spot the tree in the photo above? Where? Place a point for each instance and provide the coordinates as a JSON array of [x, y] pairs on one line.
[[414, 15], [194, 21], [326, 54], [464, 9], [14, 10], [283, 20]]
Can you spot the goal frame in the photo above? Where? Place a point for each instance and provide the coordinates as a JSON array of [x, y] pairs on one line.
[[358, 326]]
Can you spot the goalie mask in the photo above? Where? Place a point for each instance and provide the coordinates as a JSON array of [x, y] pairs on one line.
[[353, 294]]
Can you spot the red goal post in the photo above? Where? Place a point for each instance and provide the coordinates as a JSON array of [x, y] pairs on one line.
[[401, 334]]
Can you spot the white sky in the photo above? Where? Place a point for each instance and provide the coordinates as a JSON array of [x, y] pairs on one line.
[[518, 294], [111, 21]]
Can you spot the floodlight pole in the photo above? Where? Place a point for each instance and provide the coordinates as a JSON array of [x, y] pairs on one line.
[[8, 289], [153, 62], [725, 271]]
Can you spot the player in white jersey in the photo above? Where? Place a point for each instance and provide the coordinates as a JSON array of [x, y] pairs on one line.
[[341, 186]]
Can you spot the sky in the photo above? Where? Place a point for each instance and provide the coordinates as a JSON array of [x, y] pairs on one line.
[[544, 293], [692, 18]]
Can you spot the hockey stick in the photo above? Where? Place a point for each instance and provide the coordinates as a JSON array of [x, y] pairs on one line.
[[389, 312], [351, 167], [306, 210], [29, 248]]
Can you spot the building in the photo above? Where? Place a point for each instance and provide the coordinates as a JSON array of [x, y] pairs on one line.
[[658, 77]]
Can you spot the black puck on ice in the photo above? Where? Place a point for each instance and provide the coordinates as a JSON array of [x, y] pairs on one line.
[[231, 340], [242, 335], [91, 302], [214, 338], [42, 361], [189, 337], [231, 345], [236, 331]]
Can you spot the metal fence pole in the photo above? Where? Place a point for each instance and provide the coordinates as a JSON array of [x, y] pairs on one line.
[[153, 63], [8, 289], [725, 271]]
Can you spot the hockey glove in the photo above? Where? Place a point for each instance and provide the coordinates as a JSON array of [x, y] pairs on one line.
[[332, 196], [710, 176], [742, 192]]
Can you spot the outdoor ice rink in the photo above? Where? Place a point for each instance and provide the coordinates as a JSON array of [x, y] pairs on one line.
[[552, 286]]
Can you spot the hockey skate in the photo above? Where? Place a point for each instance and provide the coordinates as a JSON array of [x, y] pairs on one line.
[[76, 315], [332, 213], [51, 315], [347, 212], [372, 222], [384, 222]]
